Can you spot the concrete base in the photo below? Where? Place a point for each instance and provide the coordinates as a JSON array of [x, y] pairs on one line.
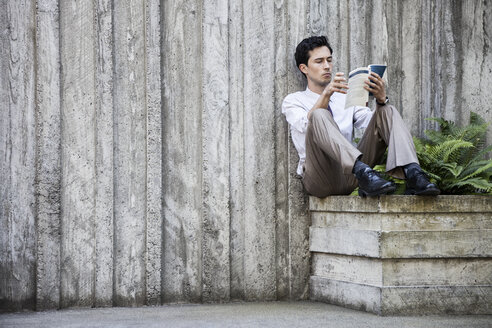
[[415, 300], [402, 254]]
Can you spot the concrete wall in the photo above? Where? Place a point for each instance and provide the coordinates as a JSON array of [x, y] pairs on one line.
[[143, 155]]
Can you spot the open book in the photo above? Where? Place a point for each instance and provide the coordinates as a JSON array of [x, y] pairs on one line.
[[356, 94]]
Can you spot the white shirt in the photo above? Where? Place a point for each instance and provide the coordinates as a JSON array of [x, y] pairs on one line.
[[296, 106]]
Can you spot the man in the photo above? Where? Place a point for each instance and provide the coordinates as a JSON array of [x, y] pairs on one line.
[[321, 130]]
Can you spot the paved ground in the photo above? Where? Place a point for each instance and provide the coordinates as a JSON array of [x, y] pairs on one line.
[[266, 314]]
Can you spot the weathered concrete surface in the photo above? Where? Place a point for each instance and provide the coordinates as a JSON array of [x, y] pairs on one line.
[[48, 148], [426, 258], [17, 155], [272, 314], [104, 188], [153, 91], [398, 300], [215, 134], [143, 154], [404, 204], [182, 151], [402, 244], [403, 272], [259, 152], [236, 143], [407, 221], [78, 170], [130, 155]]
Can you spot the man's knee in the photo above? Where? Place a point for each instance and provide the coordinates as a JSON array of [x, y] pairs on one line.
[[321, 117], [318, 114], [387, 111]]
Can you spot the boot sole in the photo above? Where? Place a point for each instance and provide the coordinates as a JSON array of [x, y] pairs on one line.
[[427, 192], [384, 191]]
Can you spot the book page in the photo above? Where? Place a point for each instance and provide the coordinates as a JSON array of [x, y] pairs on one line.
[[356, 94]]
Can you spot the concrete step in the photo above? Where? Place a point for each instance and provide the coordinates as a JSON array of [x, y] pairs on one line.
[[432, 221], [403, 300], [403, 272], [401, 244]]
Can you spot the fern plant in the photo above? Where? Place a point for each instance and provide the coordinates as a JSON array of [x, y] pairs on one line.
[[454, 157]]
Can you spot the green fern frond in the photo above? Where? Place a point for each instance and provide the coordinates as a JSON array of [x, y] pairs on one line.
[[474, 166], [454, 156], [449, 149], [477, 183], [481, 154], [479, 170], [457, 171], [476, 119]]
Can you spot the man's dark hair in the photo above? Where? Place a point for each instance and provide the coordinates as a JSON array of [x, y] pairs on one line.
[[308, 44]]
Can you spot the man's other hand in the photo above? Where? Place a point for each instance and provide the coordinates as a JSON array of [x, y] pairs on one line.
[[375, 84], [338, 84]]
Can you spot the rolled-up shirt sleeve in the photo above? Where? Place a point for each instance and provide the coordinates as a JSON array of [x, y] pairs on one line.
[[295, 114], [362, 116]]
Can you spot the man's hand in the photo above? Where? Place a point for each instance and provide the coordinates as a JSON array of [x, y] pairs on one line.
[[375, 84], [338, 84]]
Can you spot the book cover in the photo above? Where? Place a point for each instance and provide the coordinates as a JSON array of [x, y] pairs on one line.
[[356, 94]]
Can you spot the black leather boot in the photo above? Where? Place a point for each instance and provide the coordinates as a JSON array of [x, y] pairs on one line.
[[370, 182], [418, 183]]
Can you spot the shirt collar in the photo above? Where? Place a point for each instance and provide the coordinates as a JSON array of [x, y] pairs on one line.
[[310, 93]]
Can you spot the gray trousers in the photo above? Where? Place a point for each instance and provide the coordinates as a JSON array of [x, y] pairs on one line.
[[330, 157]]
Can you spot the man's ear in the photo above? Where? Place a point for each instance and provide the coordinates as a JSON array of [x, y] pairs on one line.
[[303, 68]]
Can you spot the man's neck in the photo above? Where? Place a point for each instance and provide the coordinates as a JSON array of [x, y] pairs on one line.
[[315, 88]]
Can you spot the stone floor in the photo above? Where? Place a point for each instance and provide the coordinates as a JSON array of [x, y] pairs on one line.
[[264, 314]]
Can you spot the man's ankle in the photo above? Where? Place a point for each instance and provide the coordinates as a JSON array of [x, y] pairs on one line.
[[359, 167], [410, 168]]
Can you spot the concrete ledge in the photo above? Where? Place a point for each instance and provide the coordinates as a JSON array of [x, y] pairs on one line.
[[403, 221], [403, 254], [403, 204]]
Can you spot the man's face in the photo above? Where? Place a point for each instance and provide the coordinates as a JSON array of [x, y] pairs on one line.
[[319, 67]]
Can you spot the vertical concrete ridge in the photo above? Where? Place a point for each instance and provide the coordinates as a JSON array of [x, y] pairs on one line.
[[259, 151], [104, 132], [182, 151], [282, 242], [114, 151], [18, 156], [153, 96], [237, 149], [406, 55], [437, 86], [78, 154], [130, 158], [424, 89], [297, 201], [215, 148], [48, 156]]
